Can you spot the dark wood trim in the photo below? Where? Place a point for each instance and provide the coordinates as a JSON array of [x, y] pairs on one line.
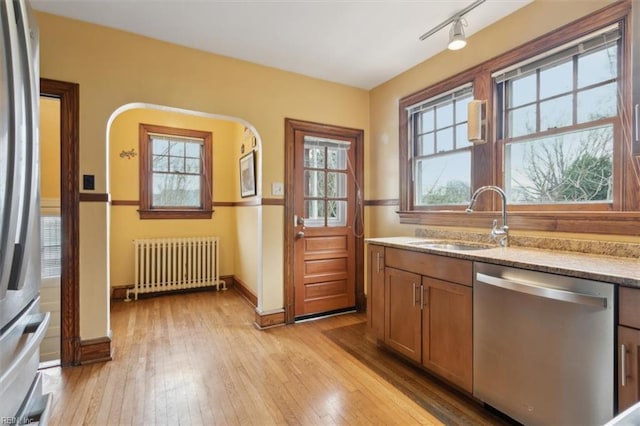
[[392, 202], [250, 203], [93, 197], [135, 203], [69, 96], [95, 350], [615, 223], [242, 288], [291, 127], [273, 201], [268, 320], [175, 214], [487, 158]]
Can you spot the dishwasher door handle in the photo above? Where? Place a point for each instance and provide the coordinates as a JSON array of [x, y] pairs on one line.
[[541, 291]]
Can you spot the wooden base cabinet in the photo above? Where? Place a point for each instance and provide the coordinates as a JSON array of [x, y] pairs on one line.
[[427, 311], [447, 331], [628, 361], [375, 291], [402, 323], [628, 350]]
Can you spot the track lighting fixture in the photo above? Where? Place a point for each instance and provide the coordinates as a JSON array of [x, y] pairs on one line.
[[457, 38]]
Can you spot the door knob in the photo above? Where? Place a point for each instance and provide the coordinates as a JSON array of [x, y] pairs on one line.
[[300, 235]]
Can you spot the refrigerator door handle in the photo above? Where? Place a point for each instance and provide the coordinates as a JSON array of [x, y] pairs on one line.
[[29, 179]]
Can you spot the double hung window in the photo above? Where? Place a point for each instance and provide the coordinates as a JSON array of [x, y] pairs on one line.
[[441, 152], [558, 120], [175, 172]]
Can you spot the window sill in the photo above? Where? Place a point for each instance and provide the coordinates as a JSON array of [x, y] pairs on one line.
[[613, 223], [175, 214]]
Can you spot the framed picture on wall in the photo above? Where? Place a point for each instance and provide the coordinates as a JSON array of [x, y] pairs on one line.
[[248, 175]]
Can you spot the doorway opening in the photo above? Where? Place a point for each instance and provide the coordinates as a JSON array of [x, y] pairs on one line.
[[67, 95]]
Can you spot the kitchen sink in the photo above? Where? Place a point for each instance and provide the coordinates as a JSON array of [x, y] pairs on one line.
[[447, 245]]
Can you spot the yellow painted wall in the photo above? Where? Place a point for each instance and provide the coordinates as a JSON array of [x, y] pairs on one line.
[[49, 148], [382, 164], [124, 184], [114, 68]]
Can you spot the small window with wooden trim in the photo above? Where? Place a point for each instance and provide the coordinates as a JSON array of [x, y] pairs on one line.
[[175, 173]]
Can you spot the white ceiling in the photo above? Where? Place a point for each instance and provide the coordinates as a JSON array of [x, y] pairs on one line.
[[360, 43]]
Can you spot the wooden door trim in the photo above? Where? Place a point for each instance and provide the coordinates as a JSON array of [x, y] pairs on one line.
[[69, 96], [291, 127]]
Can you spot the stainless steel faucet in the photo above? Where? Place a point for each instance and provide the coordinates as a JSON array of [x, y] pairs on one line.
[[503, 232]]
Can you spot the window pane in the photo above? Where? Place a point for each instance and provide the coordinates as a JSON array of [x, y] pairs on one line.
[[426, 121], [170, 190], [557, 112], [522, 121], [192, 165], [444, 115], [461, 109], [51, 246], [192, 149], [337, 159], [444, 139], [313, 183], [556, 80], [160, 163], [522, 90], [314, 213], [160, 146], [601, 65], [336, 185], [314, 157], [462, 138], [573, 167], [336, 213], [176, 149], [445, 179], [426, 144], [176, 164], [596, 103]]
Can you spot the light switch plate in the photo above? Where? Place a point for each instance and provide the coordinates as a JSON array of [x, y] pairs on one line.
[[277, 188]]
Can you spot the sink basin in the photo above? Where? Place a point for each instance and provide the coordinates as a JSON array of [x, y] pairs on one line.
[[450, 245]]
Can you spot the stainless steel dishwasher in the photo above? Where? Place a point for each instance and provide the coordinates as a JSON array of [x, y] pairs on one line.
[[543, 346]]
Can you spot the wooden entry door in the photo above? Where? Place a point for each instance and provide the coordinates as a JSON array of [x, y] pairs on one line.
[[326, 222]]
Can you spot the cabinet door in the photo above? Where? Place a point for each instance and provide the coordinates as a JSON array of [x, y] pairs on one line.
[[628, 360], [375, 291], [447, 339], [402, 327]]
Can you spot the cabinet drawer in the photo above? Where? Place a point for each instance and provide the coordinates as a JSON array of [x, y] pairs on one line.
[[442, 267], [629, 307]]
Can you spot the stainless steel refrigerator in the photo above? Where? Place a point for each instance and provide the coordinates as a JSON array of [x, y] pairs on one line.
[[22, 325]]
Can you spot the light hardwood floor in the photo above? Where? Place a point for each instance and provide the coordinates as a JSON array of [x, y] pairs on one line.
[[197, 358]]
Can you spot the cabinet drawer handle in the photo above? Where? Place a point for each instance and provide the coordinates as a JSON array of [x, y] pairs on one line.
[[623, 365], [414, 294], [379, 262]]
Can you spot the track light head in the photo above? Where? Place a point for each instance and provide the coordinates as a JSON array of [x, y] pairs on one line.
[[457, 39]]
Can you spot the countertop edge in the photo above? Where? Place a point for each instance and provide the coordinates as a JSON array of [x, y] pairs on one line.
[[613, 270]]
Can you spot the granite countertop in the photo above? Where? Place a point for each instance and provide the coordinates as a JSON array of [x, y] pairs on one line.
[[624, 271]]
